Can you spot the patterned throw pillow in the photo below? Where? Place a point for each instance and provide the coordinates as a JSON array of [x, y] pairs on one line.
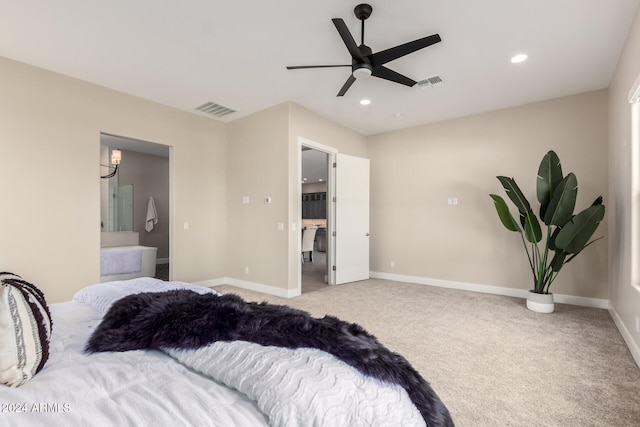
[[25, 330]]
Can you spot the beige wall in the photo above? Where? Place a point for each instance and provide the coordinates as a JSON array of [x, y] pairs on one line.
[[257, 167], [624, 299], [50, 189], [415, 171], [311, 126]]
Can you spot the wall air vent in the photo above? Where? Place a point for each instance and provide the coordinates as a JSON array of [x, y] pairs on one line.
[[435, 81], [214, 109]]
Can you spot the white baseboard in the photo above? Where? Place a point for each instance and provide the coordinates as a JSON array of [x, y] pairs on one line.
[[252, 286], [487, 289], [626, 335], [211, 282]]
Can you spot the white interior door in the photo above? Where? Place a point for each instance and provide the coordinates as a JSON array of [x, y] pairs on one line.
[[352, 219]]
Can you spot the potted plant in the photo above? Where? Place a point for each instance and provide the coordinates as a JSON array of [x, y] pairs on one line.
[[565, 234]]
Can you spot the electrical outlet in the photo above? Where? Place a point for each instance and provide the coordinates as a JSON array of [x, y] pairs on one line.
[[392, 264], [638, 324], [246, 270]]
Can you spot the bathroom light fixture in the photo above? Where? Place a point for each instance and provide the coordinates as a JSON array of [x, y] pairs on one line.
[[116, 156], [365, 101]]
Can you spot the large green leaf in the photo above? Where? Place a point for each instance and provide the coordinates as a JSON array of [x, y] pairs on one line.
[[503, 212], [531, 225], [576, 233], [558, 260], [560, 209], [549, 177], [552, 240], [515, 194]]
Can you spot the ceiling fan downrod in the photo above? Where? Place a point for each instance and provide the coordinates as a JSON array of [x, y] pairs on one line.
[[362, 12]]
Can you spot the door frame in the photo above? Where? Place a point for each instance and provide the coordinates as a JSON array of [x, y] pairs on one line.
[[331, 190]]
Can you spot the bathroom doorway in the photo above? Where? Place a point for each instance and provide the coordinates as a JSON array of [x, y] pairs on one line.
[[136, 199]]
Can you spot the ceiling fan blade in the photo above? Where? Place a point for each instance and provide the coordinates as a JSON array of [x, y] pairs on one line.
[[387, 74], [299, 67], [347, 38], [346, 85], [390, 54]]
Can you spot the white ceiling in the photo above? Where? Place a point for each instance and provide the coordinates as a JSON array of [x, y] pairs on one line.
[[234, 53]]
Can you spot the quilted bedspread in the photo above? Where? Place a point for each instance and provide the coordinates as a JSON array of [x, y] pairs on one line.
[[302, 387]]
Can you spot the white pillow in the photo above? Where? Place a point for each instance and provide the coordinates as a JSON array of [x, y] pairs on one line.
[[25, 330], [102, 295]]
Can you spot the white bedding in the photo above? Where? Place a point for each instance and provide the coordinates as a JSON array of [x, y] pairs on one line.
[[266, 385], [134, 388], [303, 387]]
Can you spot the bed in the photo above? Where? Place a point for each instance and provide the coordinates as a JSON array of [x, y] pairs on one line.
[[137, 352]]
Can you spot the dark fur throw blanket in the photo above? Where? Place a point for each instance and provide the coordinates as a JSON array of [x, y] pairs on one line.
[[187, 320]]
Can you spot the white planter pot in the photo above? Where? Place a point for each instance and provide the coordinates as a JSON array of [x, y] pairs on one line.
[[540, 303]]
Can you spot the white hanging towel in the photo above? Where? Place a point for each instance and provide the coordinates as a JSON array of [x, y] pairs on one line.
[[152, 215]]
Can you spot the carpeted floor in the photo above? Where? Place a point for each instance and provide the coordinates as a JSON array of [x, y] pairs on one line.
[[492, 361]]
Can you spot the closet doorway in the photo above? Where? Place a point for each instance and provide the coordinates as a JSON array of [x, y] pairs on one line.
[[315, 218], [141, 181]]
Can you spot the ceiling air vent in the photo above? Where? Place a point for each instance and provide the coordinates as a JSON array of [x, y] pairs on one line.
[[435, 81], [214, 109]]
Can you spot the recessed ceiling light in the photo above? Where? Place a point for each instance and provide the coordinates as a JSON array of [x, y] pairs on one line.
[[519, 58], [365, 101], [319, 179], [397, 115]]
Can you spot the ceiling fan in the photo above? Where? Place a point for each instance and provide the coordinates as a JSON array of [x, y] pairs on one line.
[[364, 62]]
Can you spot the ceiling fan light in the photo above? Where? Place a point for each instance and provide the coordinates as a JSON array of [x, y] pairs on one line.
[[361, 72]]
